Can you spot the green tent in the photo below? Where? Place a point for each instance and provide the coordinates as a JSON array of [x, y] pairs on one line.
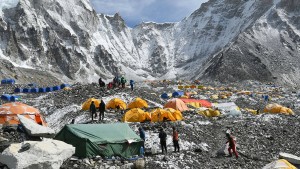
[[107, 140]]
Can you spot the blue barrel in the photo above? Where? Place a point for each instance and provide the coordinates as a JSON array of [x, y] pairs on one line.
[[178, 94], [164, 96], [64, 85], [49, 89], [56, 88], [18, 90], [42, 90], [34, 90], [6, 97], [25, 90], [15, 98]]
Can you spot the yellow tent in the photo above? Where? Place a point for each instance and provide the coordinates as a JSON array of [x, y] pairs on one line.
[[210, 113], [86, 105], [279, 164], [176, 113], [136, 115], [159, 115], [137, 103], [276, 108], [113, 103]]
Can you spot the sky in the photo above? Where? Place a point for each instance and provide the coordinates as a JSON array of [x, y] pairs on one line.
[[137, 11]]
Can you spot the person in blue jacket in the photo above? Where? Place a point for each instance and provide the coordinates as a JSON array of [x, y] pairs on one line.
[[131, 82]]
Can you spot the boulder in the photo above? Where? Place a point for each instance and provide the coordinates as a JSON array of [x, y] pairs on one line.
[[44, 154], [223, 150], [34, 129], [290, 158]]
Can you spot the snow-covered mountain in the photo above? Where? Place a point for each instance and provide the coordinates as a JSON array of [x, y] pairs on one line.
[[228, 40]]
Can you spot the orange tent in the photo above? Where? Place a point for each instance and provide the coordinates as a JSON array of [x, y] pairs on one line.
[[176, 104], [204, 103], [9, 111]]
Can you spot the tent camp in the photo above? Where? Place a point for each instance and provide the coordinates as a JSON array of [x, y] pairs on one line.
[[86, 105], [113, 103], [9, 112], [197, 103], [136, 115], [176, 104], [159, 115], [137, 103], [107, 140]]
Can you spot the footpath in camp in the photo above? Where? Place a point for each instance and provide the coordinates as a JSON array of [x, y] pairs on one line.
[[263, 119]]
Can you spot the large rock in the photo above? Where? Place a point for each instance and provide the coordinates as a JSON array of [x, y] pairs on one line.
[[48, 154], [34, 129]]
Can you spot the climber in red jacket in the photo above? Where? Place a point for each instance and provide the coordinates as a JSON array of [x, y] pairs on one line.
[[232, 145]]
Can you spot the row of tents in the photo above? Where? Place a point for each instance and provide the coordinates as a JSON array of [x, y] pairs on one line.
[[42, 89]]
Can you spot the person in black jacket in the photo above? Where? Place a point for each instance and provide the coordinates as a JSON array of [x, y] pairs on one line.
[[163, 140], [93, 110], [101, 110]]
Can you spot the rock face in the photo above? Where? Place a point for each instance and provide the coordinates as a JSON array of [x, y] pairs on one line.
[[228, 40], [45, 154]]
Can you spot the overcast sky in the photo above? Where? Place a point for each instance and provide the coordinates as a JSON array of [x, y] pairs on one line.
[[136, 11]]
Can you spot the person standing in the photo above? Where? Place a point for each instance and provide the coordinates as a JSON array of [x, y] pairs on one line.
[[93, 110], [123, 81], [232, 145], [101, 110], [142, 135], [163, 140], [131, 82], [175, 140]]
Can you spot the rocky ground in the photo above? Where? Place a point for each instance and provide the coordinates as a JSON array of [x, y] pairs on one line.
[[260, 138]]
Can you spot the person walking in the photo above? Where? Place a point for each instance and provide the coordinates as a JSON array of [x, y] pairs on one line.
[[163, 140], [175, 140], [101, 110], [93, 110], [232, 145]]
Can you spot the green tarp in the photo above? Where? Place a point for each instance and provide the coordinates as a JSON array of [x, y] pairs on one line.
[[107, 140]]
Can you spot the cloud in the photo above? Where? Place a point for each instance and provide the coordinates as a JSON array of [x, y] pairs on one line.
[[136, 11]]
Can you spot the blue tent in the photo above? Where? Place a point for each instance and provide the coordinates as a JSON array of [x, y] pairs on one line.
[[25, 90], [18, 90], [8, 81], [15, 98], [164, 96], [64, 85], [5, 97], [56, 88], [42, 89], [34, 90], [178, 94], [49, 89]]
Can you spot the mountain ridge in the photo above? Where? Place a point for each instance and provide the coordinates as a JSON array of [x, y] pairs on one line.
[[74, 43]]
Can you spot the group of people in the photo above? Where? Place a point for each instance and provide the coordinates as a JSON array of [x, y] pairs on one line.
[[101, 108], [163, 141], [117, 82]]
